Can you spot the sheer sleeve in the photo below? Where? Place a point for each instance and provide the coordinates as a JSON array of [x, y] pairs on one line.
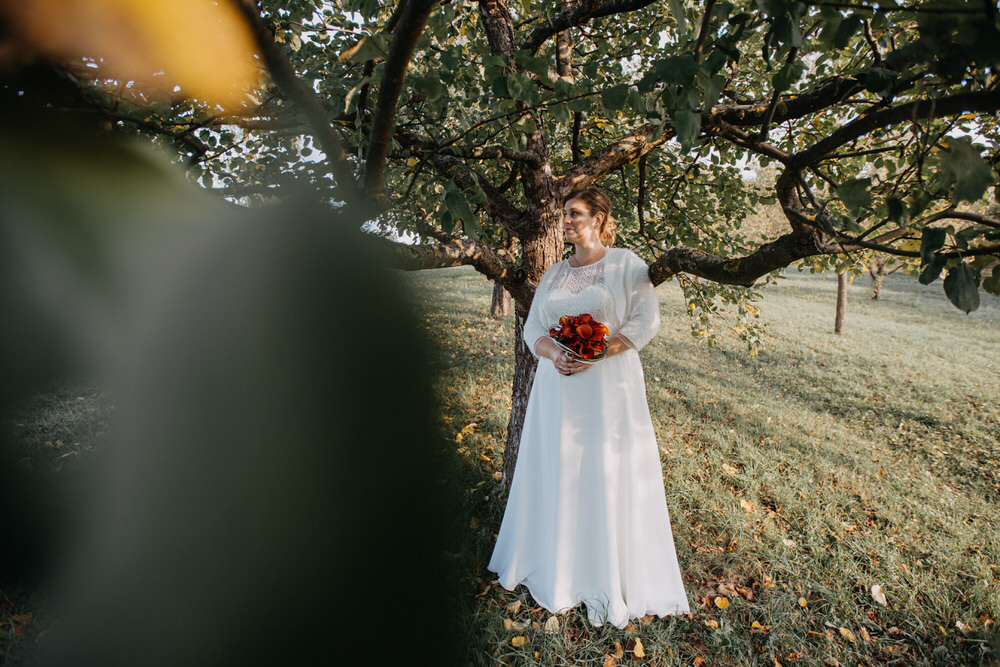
[[642, 314], [535, 325]]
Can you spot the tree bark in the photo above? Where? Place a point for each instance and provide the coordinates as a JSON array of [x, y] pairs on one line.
[[838, 323], [524, 374], [500, 307]]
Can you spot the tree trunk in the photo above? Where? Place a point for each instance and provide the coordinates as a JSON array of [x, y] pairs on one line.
[[877, 287], [838, 324], [524, 374], [877, 271], [501, 301]]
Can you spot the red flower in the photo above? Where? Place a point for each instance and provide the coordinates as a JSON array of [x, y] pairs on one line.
[[581, 335]]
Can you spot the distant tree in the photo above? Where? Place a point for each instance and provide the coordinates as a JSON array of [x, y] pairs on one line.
[[465, 124]]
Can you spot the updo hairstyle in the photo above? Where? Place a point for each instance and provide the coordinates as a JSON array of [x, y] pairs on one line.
[[597, 202]]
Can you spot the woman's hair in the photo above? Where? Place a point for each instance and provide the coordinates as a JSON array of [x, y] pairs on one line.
[[597, 202]]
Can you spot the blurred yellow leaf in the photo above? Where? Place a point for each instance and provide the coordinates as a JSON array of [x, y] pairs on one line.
[[803, 602], [619, 651], [878, 595], [848, 635], [209, 53], [759, 628], [514, 607], [609, 660], [638, 650], [864, 633], [722, 603], [498, 476], [552, 625], [712, 623], [745, 504], [699, 662], [518, 641]]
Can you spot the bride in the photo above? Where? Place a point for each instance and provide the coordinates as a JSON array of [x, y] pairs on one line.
[[586, 519]]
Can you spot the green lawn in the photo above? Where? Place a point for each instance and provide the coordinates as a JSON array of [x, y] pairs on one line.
[[797, 480]]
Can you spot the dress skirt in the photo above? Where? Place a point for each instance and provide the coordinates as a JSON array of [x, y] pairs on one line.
[[586, 518]]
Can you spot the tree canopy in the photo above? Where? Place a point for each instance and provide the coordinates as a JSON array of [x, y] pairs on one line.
[[461, 126]]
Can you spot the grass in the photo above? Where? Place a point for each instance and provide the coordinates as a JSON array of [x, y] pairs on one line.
[[797, 480]]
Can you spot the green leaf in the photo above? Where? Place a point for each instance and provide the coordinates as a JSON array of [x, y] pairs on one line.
[[878, 79], [458, 205], [687, 124], [677, 10], [787, 75], [962, 287], [932, 270], [613, 99], [931, 239], [897, 210], [992, 284], [433, 88], [846, 30], [521, 87], [854, 193], [680, 69], [525, 125], [962, 166]]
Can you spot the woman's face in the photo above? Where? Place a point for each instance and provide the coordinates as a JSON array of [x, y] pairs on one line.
[[579, 225]]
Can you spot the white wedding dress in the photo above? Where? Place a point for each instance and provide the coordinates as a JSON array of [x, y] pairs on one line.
[[586, 518]]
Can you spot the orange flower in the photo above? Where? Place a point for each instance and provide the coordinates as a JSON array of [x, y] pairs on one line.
[[581, 335]]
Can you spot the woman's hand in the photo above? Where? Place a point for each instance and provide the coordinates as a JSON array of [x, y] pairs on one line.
[[564, 362]]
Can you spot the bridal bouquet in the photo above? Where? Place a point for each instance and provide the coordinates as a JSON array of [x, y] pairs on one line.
[[582, 336]]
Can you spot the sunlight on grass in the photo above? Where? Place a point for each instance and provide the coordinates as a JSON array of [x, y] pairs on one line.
[[796, 480]]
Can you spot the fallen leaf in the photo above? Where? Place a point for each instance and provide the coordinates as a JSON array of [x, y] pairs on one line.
[[647, 619], [864, 633], [963, 628], [793, 656], [514, 607], [619, 651], [745, 504], [788, 542], [848, 635], [832, 662], [638, 650], [878, 595], [552, 625], [518, 641], [609, 660], [722, 603], [727, 590], [729, 470], [712, 623], [756, 626], [803, 602], [498, 476], [510, 625], [699, 662]]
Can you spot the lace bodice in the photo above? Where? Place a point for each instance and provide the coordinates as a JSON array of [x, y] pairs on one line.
[[577, 290]]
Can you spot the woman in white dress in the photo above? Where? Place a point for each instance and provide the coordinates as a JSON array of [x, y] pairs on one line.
[[586, 519]]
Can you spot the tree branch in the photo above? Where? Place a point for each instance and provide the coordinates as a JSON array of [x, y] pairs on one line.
[[458, 252], [983, 101], [411, 25], [577, 15], [302, 96], [618, 154], [737, 271]]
